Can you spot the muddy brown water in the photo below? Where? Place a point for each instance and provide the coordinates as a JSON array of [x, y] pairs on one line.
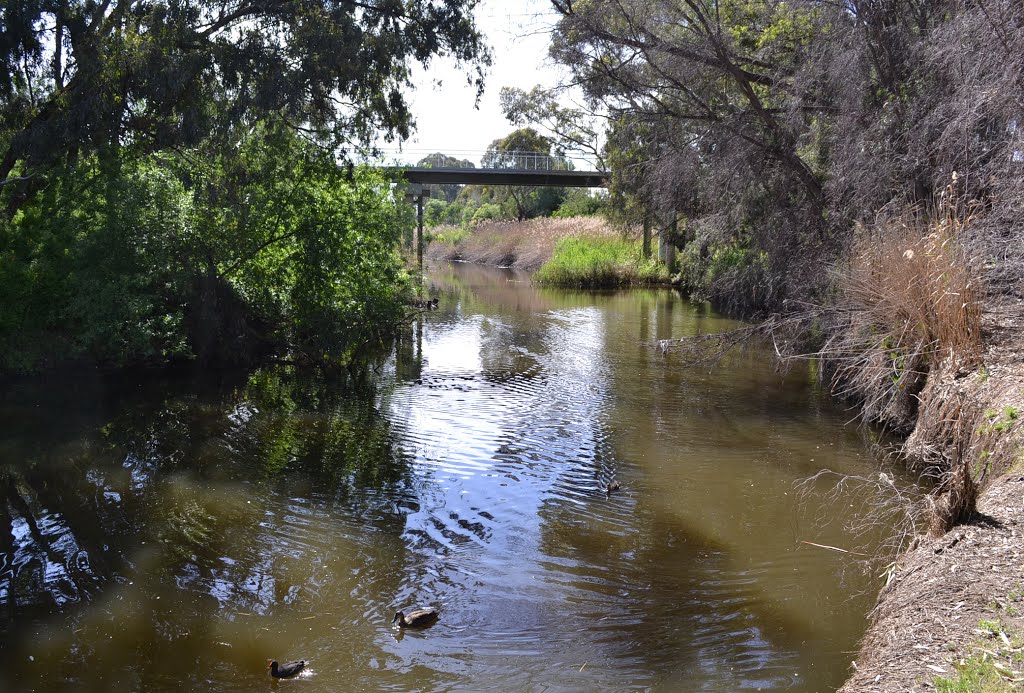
[[173, 532]]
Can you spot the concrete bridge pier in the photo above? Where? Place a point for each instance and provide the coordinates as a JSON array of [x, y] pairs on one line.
[[417, 194], [667, 246]]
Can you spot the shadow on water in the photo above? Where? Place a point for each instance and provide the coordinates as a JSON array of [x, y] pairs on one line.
[[174, 531], [119, 494]]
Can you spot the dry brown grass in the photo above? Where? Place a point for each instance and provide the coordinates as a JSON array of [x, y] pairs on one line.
[[911, 299], [911, 305], [523, 245]]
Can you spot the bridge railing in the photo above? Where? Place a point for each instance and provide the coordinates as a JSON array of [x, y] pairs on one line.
[[512, 160], [527, 161]]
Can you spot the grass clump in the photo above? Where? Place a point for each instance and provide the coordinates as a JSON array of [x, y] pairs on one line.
[[993, 665], [978, 673], [999, 422], [448, 235], [911, 298], [599, 261]]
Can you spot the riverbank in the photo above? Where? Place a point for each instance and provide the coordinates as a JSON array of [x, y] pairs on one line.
[[519, 245], [951, 617]]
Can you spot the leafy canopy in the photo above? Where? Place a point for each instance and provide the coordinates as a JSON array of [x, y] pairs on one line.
[[80, 75]]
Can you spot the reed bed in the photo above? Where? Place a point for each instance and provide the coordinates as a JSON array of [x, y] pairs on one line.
[[599, 261], [524, 245]]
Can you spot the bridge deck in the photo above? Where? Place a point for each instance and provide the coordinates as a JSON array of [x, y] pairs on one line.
[[498, 176]]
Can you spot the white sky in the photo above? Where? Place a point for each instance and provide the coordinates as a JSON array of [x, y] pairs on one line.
[[518, 33]]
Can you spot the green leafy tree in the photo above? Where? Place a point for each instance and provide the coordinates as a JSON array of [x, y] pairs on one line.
[[524, 149], [296, 243], [579, 203], [572, 128], [79, 76], [217, 254], [449, 191]]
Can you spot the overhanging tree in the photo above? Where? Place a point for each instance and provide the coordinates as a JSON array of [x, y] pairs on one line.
[[79, 76]]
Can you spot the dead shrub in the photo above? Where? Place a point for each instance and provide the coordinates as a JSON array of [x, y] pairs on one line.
[[909, 300]]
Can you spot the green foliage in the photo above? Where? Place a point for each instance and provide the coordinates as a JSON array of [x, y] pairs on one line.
[[725, 258], [574, 129], [975, 674], [157, 75], [579, 203], [701, 268], [303, 245], [210, 253], [999, 422], [487, 211], [598, 262], [990, 627], [523, 149], [437, 212], [90, 270], [444, 192], [988, 669], [452, 235]]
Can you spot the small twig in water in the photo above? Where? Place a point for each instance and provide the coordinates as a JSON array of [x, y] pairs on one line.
[[833, 548]]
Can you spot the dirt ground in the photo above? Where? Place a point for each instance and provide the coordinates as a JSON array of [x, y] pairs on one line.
[[929, 617], [958, 600]]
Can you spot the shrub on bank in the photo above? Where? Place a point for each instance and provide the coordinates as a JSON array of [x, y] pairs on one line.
[[596, 261], [217, 255], [734, 278], [911, 298]]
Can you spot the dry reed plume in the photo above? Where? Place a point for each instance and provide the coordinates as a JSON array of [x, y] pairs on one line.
[[524, 245], [910, 300]]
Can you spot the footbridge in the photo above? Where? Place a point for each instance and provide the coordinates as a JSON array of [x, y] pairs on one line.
[[535, 169], [514, 168]]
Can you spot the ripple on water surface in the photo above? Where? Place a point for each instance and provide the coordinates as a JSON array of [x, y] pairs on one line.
[[285, 518]]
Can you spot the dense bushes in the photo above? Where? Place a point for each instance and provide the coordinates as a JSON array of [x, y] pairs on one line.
[[218, 254], [475, 205]]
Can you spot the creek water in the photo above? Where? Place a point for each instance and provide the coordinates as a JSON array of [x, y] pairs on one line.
[[173, 532]]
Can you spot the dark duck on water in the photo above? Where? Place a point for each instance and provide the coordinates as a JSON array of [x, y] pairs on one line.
[[415, 619], [286, 670]]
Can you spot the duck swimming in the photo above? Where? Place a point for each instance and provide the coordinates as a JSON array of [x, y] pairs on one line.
[[286, 670], [613, 486], [415, 619]]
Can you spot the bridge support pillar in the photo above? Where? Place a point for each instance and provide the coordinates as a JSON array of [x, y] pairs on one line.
[[416, 194], [645, 249], [667, 246], [419, 231]]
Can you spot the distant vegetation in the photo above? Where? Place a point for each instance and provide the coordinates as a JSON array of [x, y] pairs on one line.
[[467, 205]]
